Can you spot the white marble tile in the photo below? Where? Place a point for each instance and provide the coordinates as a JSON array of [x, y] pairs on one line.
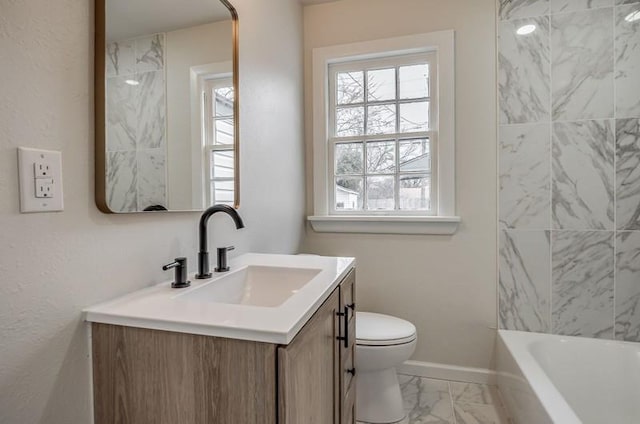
[[628, 286], [525, 176], [121, 125], [582, 283], [462, 392], [426, 400], [121, 181], [479, 414], [525, 280], [582, 64], [151, 178], [627, 55], [150, 53], [151, 110], [121, 58], [561, 6], [627, 1], [628, 174], [524, 84], [582, 175], [512, 9]]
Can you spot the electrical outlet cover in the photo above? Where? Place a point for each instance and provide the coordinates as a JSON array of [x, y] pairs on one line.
[[37, 168]]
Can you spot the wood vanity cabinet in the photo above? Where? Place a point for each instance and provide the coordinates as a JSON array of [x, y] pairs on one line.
[[145, 376]]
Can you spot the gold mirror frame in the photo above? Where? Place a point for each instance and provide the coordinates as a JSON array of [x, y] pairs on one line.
[[99, 62]]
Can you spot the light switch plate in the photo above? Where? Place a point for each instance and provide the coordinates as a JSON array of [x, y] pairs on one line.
[[40, 177]]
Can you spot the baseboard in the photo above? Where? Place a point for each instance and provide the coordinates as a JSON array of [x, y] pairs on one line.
[[448, 372]]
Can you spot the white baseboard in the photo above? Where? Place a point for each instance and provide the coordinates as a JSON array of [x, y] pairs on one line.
[[448, 372]]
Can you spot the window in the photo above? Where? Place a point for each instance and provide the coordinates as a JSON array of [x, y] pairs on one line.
[[381, 114], [383, 136], [218, 130]]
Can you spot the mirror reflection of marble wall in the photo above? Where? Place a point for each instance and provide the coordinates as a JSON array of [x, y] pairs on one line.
[[136, 123], [159, 133]]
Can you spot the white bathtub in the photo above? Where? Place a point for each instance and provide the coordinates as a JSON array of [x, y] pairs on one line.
[[546, 378]]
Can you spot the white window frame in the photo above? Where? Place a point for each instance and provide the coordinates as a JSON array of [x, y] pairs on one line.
[[384, 63], [444, 221], [198, 75], [209, 145]]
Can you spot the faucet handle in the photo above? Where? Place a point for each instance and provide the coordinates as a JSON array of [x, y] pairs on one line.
[[222, 258], [180, 265]]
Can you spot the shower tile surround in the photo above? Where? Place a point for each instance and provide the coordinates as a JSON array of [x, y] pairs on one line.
[[136, 123], [569, 167]]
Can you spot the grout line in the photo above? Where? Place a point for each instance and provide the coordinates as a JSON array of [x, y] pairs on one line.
[[615, 170], [551, 177], [453, 408]]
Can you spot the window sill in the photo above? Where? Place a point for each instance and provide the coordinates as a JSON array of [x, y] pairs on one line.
[[439, 225]]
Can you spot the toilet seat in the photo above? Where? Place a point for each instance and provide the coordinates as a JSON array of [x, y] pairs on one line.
[[382, 330]]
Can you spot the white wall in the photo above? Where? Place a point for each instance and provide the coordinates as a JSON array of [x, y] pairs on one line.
[[445, 285], [53, 265], [199, 45]]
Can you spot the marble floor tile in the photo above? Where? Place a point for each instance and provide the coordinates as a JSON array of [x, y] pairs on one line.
[[426, 400], [525, 176], [525, 280], [512, 9], [627, 57], [462, 392], [479, 414], [582, 64], [524, 81], [628, 286], [582, 175], [430, 401], [628, 174], [582, 283]]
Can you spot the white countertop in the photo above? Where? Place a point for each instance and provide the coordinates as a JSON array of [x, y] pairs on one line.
[[161, 307]]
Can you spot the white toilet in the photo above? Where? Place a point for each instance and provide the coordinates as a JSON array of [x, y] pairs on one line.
[[382, 343]]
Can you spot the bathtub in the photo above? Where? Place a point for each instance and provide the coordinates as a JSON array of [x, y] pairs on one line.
[[545, 378]]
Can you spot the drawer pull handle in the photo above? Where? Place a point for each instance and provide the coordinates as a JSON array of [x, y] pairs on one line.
[[352, 371]]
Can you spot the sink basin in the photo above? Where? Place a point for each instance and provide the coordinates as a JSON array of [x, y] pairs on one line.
[[253, 285]]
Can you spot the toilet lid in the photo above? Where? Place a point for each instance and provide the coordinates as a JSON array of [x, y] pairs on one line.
[[382, 330]]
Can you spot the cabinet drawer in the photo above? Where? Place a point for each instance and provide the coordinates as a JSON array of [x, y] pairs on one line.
[[348, 368], [349, 406], [348, 291]]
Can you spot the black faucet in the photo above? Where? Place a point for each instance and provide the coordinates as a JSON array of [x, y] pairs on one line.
[[203, 254]]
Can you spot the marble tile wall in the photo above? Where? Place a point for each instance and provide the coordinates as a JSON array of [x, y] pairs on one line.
[[569, 167], [136, 123]]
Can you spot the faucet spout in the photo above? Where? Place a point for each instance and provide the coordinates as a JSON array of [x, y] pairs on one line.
[[203, 253]]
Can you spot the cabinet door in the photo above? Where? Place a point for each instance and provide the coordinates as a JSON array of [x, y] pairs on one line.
[[348, 350], [308, 370]]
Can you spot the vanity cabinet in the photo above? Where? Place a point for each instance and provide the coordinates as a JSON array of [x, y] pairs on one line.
[[145, 376], [316, 371]]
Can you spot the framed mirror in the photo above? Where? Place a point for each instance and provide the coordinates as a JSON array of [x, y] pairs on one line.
[[166, 105]]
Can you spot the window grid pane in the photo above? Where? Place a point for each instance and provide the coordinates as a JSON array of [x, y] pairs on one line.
[[395, 174]]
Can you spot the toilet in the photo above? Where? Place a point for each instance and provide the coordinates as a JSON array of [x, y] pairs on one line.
[[382, 343]]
